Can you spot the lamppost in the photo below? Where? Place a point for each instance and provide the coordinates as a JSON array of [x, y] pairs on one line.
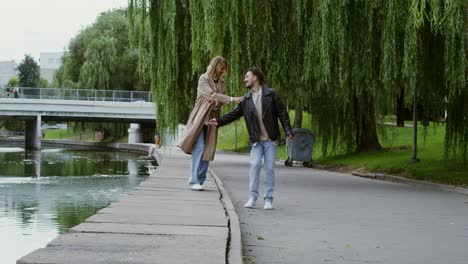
[[415, 129]]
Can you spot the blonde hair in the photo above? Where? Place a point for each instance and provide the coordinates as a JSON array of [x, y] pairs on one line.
[[217, 67]]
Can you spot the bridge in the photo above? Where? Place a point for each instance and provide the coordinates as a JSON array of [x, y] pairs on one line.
[[34, 105]]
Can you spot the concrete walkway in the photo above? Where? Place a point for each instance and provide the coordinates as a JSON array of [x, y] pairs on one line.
[[327, 217], [319, 217], [161, 221]]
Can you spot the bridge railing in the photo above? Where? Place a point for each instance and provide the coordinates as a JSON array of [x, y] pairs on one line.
[[78, 94]]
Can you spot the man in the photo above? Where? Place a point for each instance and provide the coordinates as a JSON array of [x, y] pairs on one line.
[[261, 109]]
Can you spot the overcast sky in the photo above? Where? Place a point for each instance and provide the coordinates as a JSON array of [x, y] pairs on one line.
[[34, 26]]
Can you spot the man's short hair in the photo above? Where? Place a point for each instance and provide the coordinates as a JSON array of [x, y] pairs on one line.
[[259, 74]]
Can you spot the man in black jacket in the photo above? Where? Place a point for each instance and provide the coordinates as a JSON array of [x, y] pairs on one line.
[[262, 108]]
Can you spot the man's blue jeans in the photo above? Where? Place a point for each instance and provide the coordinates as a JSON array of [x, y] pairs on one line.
[[198, 167], [267, 150]]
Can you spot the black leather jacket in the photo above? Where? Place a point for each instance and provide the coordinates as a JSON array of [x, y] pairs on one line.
[[272, 110]]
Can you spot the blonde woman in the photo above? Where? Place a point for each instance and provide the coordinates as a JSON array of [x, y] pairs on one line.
[[200, 139]]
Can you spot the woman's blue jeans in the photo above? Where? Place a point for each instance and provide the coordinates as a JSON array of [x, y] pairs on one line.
[[198, 167]]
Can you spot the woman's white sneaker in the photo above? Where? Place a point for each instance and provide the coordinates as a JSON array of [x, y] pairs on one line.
[[197, 187]]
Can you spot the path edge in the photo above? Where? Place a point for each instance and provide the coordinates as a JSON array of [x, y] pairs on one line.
[[234, 247]]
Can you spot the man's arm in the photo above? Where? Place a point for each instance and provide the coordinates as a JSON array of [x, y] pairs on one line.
[[283, 115], [228, 118]]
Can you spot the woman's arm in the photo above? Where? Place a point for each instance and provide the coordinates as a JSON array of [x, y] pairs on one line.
[[205, 90]]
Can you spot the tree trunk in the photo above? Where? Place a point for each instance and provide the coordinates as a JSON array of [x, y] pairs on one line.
[[298, 118], [400, 114], [366, 131]]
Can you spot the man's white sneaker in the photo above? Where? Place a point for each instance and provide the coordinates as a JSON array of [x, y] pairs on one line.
[[268, 205], [250, 203], [197, 187]]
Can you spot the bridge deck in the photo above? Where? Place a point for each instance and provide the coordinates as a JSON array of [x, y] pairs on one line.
[[70, 110]]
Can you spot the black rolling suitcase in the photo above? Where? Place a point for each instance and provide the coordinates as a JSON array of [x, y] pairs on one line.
[[300, 147]]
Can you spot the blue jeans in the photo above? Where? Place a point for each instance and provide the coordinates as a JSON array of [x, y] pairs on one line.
[[198, 167], [267, 150]]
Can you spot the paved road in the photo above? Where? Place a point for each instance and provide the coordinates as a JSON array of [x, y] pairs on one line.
[[327, 217]]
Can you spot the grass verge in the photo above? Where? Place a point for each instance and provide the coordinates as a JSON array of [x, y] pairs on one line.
[[393, 159]]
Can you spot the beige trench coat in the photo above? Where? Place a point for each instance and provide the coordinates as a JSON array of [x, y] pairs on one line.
[[204, 110]]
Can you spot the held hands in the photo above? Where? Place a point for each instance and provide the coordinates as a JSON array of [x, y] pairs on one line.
[[214, 101], [213, 122]]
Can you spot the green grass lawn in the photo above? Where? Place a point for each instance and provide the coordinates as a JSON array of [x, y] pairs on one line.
[[393, 159], [72, 135], [68, 134]]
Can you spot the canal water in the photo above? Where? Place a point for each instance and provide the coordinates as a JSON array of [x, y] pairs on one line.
[[45, 193]]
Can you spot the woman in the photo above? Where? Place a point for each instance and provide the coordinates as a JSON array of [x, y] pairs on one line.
[[200, 139]]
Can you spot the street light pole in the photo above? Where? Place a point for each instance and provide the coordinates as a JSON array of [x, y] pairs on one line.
[[415, 129]]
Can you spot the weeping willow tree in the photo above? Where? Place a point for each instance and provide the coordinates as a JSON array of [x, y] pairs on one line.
[[395, 13], [99, 64], [186, 34], [435, 63], [348, 63], [343, 54], [455, 30], [171, 73], [101, 57], [96, 73], [364, 58]]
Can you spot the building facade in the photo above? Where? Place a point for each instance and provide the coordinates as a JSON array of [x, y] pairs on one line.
[[7, 70], [49, 63]]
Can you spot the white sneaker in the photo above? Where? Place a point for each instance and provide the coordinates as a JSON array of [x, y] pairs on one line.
[[268, 205], [250, 203], [197, 187]]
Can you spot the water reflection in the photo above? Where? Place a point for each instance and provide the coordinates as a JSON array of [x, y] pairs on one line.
[[32, 163], [45, 193], [61, 162]]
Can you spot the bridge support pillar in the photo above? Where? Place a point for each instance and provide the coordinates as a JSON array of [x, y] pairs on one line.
[[134, 134], [33, 134]]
